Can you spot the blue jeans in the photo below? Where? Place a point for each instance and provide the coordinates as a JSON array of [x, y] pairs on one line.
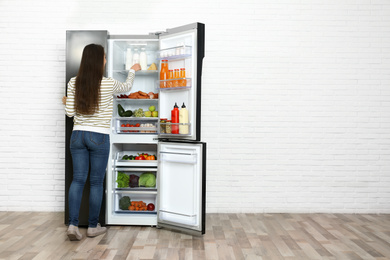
[[88, 149]]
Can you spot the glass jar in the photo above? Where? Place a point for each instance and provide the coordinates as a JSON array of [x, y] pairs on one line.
[[168, 127], [163, 122]]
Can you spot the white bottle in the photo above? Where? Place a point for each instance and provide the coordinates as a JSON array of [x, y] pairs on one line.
[[143, 60], [183, 119], [129, 59], [135, 56]]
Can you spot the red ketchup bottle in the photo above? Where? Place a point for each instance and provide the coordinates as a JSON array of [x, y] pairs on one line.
[[175, 119]]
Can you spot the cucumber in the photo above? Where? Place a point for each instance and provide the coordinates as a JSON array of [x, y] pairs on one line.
[[128, 113]]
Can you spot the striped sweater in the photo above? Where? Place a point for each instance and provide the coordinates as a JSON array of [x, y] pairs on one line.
[[101, 120]]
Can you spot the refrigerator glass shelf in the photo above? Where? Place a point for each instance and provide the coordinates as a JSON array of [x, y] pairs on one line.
[[138, 132], [135, 212], [128, 191], [174, 88], [137, 118], [138, 189], [175, 53], [137, 73], [142, 163], [136, 101], [136, 161]]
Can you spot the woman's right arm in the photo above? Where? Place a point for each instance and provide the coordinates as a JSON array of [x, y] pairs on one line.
[[128, 84]]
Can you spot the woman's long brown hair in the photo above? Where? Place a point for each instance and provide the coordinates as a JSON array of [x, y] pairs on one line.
[[88, 80]]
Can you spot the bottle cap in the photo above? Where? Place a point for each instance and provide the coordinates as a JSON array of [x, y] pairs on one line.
[[183, 106]]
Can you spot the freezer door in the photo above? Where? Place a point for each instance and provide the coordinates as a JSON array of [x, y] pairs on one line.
[[183, 47], [181, 186]]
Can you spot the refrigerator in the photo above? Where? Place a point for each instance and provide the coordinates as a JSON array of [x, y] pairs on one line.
[[75, 43], [175, 193]]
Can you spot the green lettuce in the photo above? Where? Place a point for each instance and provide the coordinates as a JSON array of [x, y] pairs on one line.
[[147, 179]]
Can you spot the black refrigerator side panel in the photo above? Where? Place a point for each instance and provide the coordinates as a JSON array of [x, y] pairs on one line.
[[199, 62], [75, 43], [204, 188]]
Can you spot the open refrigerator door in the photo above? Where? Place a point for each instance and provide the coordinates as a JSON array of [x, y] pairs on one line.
[[182, 50], [181, 185]]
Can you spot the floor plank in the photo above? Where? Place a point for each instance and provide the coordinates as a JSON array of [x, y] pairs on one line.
[[42, 235]]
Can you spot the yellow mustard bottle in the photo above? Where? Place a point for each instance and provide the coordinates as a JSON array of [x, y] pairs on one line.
[[183, 120]]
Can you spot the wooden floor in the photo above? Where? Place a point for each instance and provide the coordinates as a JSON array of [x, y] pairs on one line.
[[32, 235]]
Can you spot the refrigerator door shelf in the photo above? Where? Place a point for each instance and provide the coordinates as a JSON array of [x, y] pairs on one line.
[[163, 129], [168, 82], [175, 53]]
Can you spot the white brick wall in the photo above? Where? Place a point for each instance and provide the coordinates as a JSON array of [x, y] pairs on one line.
[[296, 99]]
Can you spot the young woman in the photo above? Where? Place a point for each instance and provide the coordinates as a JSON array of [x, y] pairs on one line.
[[90, 102]]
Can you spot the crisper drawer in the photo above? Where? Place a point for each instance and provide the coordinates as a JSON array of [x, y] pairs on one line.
[[134, 125], [136, 158], [124, 198], [135, 179]]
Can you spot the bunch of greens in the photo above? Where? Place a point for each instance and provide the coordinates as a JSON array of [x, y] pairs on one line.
[[123, 180], [124, 203], [147, 179]]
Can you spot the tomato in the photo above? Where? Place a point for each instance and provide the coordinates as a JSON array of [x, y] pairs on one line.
[[150, 207], [137, 125], [127, 125]]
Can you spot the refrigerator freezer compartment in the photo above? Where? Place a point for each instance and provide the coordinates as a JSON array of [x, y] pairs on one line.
[[144, 197], [175, 53]]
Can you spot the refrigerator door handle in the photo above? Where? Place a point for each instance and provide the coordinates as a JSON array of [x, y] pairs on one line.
[[176, 153]]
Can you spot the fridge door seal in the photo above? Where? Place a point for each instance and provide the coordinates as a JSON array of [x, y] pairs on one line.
[[181, 185]]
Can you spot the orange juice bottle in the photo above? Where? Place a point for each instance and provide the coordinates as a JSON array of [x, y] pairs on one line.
[[177, 76], [183, 81], [170, 83], [164, 73]]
